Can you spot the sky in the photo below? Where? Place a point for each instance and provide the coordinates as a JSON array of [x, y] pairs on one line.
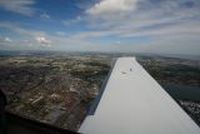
[[147, 26]]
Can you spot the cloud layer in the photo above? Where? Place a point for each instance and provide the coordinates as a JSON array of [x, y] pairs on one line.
[[23, 7], [157, 26]]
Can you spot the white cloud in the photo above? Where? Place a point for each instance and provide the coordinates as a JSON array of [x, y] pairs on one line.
[[6, 42], [21, 31], [43, 41], [23, 7], [112, 6], [7, 39], [60, 33], [45, 16], [118, 42], [72, 21]]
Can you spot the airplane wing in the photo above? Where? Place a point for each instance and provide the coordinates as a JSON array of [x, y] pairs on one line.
[[134, 103]]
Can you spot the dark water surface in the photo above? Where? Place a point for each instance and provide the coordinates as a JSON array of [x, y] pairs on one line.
[[182, 92]]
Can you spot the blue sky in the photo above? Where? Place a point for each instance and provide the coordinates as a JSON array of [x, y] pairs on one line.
[[152, 26]]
